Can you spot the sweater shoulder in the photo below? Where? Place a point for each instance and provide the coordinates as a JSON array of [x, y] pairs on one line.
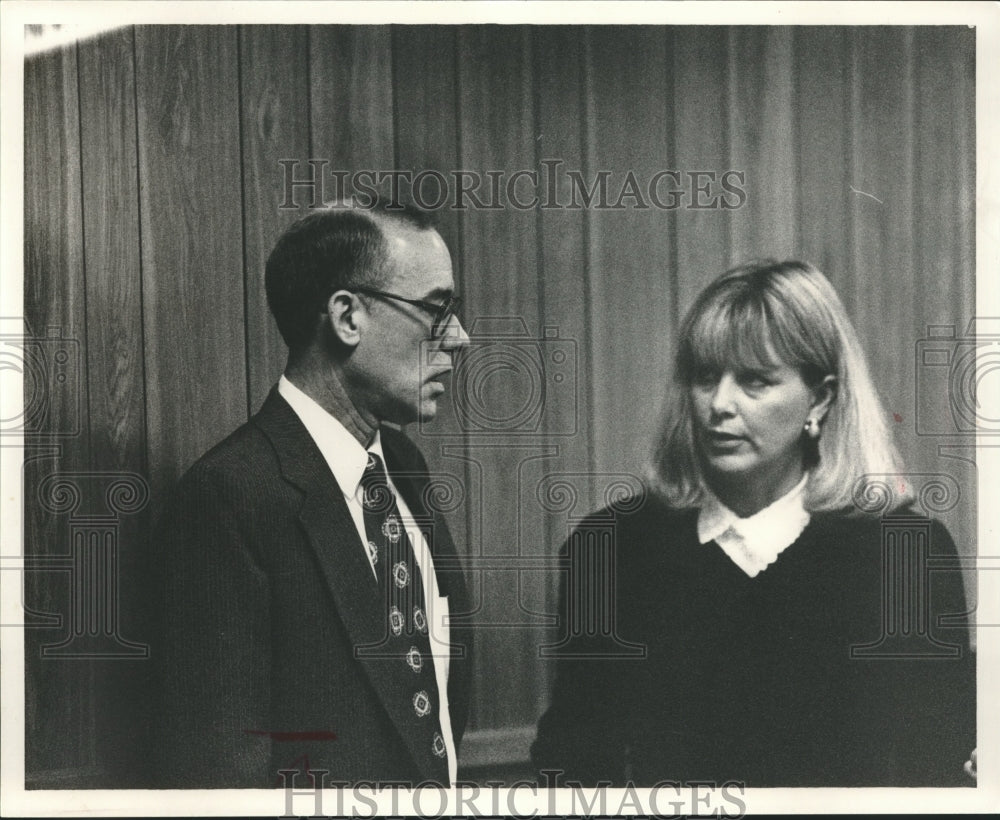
[[864, 531], [639, 527]]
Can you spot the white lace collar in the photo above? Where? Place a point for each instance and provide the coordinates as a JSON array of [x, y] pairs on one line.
[[755, 542]]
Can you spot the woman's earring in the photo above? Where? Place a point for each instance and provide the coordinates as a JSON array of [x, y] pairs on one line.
[[812, 428]]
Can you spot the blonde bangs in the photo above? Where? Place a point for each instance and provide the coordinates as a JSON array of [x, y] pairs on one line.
[[740, 327]]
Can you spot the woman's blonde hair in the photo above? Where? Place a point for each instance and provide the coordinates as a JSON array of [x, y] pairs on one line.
[[749, 317]]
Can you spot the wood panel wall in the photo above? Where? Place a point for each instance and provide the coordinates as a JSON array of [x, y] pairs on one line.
[[153, 192]]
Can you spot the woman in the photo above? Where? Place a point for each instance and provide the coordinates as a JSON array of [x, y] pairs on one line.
[[753, 577]]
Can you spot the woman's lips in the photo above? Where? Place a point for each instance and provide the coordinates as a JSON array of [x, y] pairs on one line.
[[723, 440]]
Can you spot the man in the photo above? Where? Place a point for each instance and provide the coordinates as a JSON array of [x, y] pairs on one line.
[[305, 593]]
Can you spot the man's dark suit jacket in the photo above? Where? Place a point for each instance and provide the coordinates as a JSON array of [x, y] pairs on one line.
[[266, 593]]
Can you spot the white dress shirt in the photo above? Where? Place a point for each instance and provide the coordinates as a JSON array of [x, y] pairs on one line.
[[755, 542], [346, 459]]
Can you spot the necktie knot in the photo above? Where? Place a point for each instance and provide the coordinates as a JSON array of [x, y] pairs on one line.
[[376, 495], [374, 464]]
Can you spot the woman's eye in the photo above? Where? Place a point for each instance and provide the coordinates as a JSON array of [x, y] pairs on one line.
[[754, 380]]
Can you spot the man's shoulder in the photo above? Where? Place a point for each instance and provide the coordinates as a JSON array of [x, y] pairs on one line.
[[253, 445], [243, 460], [247, 443]]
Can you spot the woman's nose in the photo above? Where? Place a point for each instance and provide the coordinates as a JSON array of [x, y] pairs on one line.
[[724, 397]]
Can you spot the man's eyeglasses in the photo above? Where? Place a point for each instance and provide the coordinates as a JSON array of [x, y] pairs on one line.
[[442, 313]]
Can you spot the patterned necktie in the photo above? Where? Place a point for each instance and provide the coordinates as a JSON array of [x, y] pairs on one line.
[[392, 553]]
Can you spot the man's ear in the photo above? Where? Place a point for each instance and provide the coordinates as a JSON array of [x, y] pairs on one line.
[[824, 394], [343, 316]]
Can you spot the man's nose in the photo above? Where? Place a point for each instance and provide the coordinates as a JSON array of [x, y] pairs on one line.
[[455, 337]]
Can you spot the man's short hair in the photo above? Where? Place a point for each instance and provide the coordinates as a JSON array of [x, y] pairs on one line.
[[339, 247]]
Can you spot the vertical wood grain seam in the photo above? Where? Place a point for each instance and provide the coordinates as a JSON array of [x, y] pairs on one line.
[[912, 146], [75, 49], [795, 166], [460, 254], [586, 138], [309, 93], [240, 141], [88, 716], [530, 64], [475, 709], [670, 124], [909, 307], [469, 472], [542, 671], [967, 145], [797, 108], [143, 454], [394, 97], [142, 304], [459, 149], [851, 92], [921, 261], [729, 129]]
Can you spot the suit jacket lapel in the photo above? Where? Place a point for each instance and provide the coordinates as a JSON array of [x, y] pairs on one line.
[[361, 600]]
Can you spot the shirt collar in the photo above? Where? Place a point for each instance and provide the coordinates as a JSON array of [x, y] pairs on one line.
[[754, 542], [342, 452]]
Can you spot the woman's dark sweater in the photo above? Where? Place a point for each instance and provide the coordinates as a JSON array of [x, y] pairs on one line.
[[785, 679]]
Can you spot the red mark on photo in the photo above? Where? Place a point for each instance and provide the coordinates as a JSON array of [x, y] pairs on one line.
[[897, 418]]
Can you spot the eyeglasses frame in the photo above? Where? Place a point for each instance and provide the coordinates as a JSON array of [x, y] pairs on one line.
[[441, 312]]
